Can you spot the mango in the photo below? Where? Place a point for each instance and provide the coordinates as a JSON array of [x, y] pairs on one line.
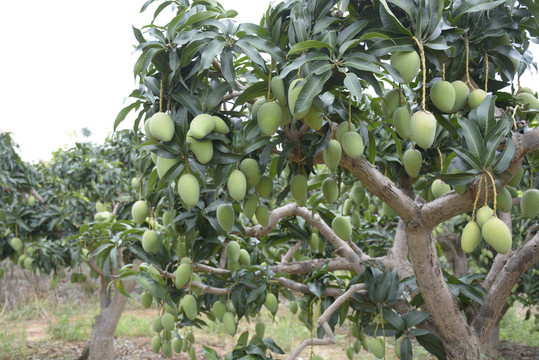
[[164, 164], [271, 303], [390, 102], [139, 211], [349, 352], [146, 300], [442, 95], [355, 219], [342, 228], [332, 155], [423, 128], [229, 323], [357, 194], [201, 126], [330, 190], [262, 215], [249, 206], [461, 95], [245, 258], [189, 306], [357, 346], [161, 126], [168, 321], [314, 118], [220, 125], [512, 191], [293, 307], [527, 99], [529, 204], [150, 242], [471, 237], [401, 121], [100, 207], [166, 348], [233, 251], [203, 150], [407, 64], [483, 214], [237, 185], [476, 97], [376, 347], [251, 170], [16, 244], [314, 241], [278, 90], [352, 144], [497, 234], [218, 309], [269, 118], [183, 275], [189, 189], [265, 187], [298, 188], [439, 188], [412, 160], [28, 262], [515, 180], [293, 93], [256, 106], [285, 116], [156, 324], [156, 344], [260, 329], [147, 131], [504, 200], [343, 128], [225, 217], [177, 345]]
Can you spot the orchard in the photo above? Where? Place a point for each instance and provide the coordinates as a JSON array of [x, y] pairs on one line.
[[368, 165]]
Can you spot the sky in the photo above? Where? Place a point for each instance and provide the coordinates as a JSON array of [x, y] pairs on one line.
[[68, 65]]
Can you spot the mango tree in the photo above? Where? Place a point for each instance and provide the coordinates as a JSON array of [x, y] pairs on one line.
[[314, 158]]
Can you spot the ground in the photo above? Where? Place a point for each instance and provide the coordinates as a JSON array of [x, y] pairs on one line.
[[39, 323]]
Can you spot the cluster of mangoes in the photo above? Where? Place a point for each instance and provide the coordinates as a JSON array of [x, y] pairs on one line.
[[168, 340], [374, 345], [103, 214], [24, 260]]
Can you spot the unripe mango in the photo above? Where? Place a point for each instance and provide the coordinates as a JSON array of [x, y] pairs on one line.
[[314, 241], [262, 215], [265, 187], [164, 164], [225, 217], [357, 346], [190, 307], [461, 95], [285, 115], [293, 93], [229, 323], [256, 106], [100, 207], [156, 344], [512, 191], [443, 96], [504, 200], [497, 234], [245, 258], [161, 126], [412, 162], [203, 150], [147, 131], [218, 309], [357, 193], [352, 144], [401, 121], [390, 102], [314, 118], [28, 262], [332, 155], [166, 348], [350, 352], [527, 99], [189, 189], [249, 206], [16, 244], [150, 242], [343, 128], [251, 170], [298, 188], [515, 181], [277, 88], [269, 117], [146, 300], [476, 97], [168, 321], [201, 126], [293, 307], [376, 347], [529, 204], [260, 329], [271, 303], [156, 324], [330, 190], [342, 227], [355, 219], [237, 185], [439, 188], [233, 251], [139, 211], [407, 64], [177, 345], [483, 215], [31, 200], [423, 128], [471, 237], [220, 125], [183, 275]]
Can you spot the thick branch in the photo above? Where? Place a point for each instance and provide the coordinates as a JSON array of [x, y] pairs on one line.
[[288, 256], [361, 288], [452, 204], [329, 340], [521, 261]]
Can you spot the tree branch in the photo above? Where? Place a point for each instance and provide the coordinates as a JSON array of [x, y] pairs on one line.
[[286, 257], [329, 340], [361, 288]]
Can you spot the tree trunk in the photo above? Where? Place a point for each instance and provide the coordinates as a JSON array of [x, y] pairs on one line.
[[102, 341]]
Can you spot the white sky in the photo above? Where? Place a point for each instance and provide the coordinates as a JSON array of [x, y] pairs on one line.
[[68, 64]]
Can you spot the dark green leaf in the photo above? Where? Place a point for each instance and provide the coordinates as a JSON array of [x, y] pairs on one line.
[[504, 160], [414, 317], [313, 86], [468, 158], [470, 6], [352, 84], [474, 140], [406, 352], [433, 345]]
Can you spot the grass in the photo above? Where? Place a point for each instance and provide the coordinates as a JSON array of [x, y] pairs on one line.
[[515, 329], [131, 325], [12, 343]]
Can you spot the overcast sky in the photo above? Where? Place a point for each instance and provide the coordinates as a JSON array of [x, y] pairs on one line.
[[68, 65]]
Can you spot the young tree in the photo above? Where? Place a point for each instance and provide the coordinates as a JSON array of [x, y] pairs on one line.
[[314, 153]]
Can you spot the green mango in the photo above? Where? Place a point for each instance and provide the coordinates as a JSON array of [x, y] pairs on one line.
[[390, 102], [504, 200], [484, 214], [225, 217], [332, 155], [423, 128], [265, 187], [407, 64], [183, 275], [203, 150], [251, 170], [161, 126], [342, 227], [262, 215], [352, 144], [189, 306], [189, 189], [146, 300], [269, 118], [330, 190], [529, 204], [442, 95], [461, 95], [237, 185], [233, 251], [476, 97], [497, 234], [150, 242], [278, 90], [298, 188], [401, 121], [201, 126], [220, 125], [229, 323], [271, 303], [439, 188], [412, 160], [314, 118], [249, 206], [164, 164], [471, 237], [343, 128], [168, 321], [156, 344]]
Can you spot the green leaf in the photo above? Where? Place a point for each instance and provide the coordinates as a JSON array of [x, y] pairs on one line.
[[406, 349], [184, 97], [387, 10], [272, 346], [433, 345], [468, 158], [351, 31], [298, 62], [252, 91], [470, 6], [474, 140], [504, 160], [227, 65], [376, 35], [306, 45], [123, 113], [414, 317], [209, 353], [490, 152], [267, 47], [251, 53], [393, 318], [121, 289], [362, 65], [312, 87], [214, 48], [485, 114], [351, 82], [200, 16], [216, 94], [461, 178]]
